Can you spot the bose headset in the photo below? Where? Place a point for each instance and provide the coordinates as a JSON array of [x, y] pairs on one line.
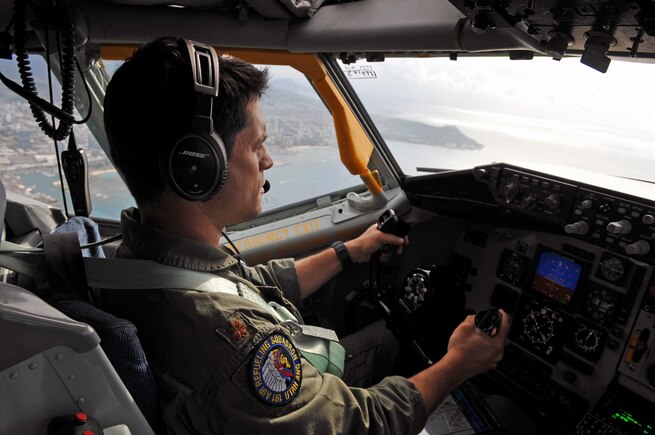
[[196, 165]]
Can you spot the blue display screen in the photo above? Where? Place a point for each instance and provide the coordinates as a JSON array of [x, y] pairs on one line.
[[556, 276]]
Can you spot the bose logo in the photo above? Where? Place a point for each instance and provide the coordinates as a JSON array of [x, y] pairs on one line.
[[193, 154]]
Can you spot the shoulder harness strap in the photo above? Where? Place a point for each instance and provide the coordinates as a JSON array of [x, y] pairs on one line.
[[320, 346]]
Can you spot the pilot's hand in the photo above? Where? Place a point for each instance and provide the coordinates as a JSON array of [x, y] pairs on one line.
[[371, 241], [474, 351]]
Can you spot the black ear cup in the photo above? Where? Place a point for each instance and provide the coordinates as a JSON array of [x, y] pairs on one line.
[[196, 167]]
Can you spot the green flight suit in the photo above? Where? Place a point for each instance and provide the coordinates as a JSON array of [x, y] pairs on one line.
[[201, 347]]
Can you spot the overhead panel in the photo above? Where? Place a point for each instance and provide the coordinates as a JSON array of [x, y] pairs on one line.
[[597, 29]]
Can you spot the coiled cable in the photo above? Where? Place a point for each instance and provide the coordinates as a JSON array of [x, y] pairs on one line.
[[66, 27]]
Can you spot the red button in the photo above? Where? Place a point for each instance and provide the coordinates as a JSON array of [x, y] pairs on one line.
[[88, 432], [81, 417]]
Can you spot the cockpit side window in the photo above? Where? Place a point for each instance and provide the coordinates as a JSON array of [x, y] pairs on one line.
[[300, 138], [28, 159]]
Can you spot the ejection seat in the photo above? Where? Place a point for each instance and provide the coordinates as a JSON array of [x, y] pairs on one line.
[[53, 371]]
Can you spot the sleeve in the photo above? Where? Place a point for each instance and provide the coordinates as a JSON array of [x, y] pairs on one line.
[[323, 405], [279, 273]]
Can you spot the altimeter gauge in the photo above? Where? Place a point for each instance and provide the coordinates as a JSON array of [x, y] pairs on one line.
[[612, 269], [513, 268], [600, 304], [538, 327], [587, 339]]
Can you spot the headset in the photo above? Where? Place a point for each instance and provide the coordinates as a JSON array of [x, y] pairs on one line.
[[196, 165]]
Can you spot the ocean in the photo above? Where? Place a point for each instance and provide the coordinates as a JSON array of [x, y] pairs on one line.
[[304, 172]]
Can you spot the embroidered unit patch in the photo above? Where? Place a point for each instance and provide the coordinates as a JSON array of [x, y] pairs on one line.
[[237, 329], [275, 370]]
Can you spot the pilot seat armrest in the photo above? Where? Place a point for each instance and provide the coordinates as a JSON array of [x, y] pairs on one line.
[[28, 326], [52, 366]]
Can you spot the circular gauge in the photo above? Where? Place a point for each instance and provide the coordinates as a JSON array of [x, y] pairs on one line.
[[600, 304], [612, 269], [513, 268], [538, 327], [417, 287], [587, 339]]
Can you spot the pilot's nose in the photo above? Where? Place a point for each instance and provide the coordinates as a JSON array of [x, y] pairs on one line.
[[267, 161]]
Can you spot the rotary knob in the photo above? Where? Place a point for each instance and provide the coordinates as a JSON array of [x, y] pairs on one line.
[[581, 228], [481, 173], [552, 201], [509, 191], [621, 227], [529, 202], [648, 219], [640, 247], [587, 203]]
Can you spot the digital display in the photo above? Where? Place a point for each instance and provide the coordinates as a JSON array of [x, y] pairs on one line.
[[625, 412], [556, 276]]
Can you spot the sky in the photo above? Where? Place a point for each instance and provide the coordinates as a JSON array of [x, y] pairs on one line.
[[543, 110]]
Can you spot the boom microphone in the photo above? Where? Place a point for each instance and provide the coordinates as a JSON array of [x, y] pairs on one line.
[[267, 186]]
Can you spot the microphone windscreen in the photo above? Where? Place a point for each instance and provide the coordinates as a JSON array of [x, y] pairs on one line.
[[267, 186]]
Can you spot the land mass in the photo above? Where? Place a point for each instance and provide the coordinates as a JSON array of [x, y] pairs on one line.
[[421, 133], [294, 117]]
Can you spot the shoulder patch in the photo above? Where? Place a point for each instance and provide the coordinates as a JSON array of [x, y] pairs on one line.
[[275, 370]]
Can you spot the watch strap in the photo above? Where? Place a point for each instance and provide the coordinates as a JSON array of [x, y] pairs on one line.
[[342, 254]]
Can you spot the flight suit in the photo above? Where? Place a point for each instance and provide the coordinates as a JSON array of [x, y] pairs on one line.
[[224, 364]]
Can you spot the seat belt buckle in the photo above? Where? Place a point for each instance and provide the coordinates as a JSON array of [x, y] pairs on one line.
[[310, 331], [293, 327]]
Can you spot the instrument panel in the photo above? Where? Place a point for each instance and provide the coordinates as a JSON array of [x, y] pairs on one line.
[[622, 224], [582, 299]]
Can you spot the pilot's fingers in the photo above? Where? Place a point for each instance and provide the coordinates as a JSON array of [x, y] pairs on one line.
[[390, 239], [469, 321]]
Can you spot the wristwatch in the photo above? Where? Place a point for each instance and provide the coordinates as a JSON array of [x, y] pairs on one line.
[[342, 254]]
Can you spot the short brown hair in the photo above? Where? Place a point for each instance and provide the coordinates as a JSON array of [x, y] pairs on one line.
[[150, 102]]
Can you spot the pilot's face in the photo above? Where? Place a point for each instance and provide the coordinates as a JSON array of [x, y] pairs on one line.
[[241, 196]]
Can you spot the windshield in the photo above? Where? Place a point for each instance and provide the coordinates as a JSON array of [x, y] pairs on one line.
[[440, 114]]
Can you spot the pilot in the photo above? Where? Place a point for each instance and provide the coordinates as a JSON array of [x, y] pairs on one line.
[[224, 361]]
